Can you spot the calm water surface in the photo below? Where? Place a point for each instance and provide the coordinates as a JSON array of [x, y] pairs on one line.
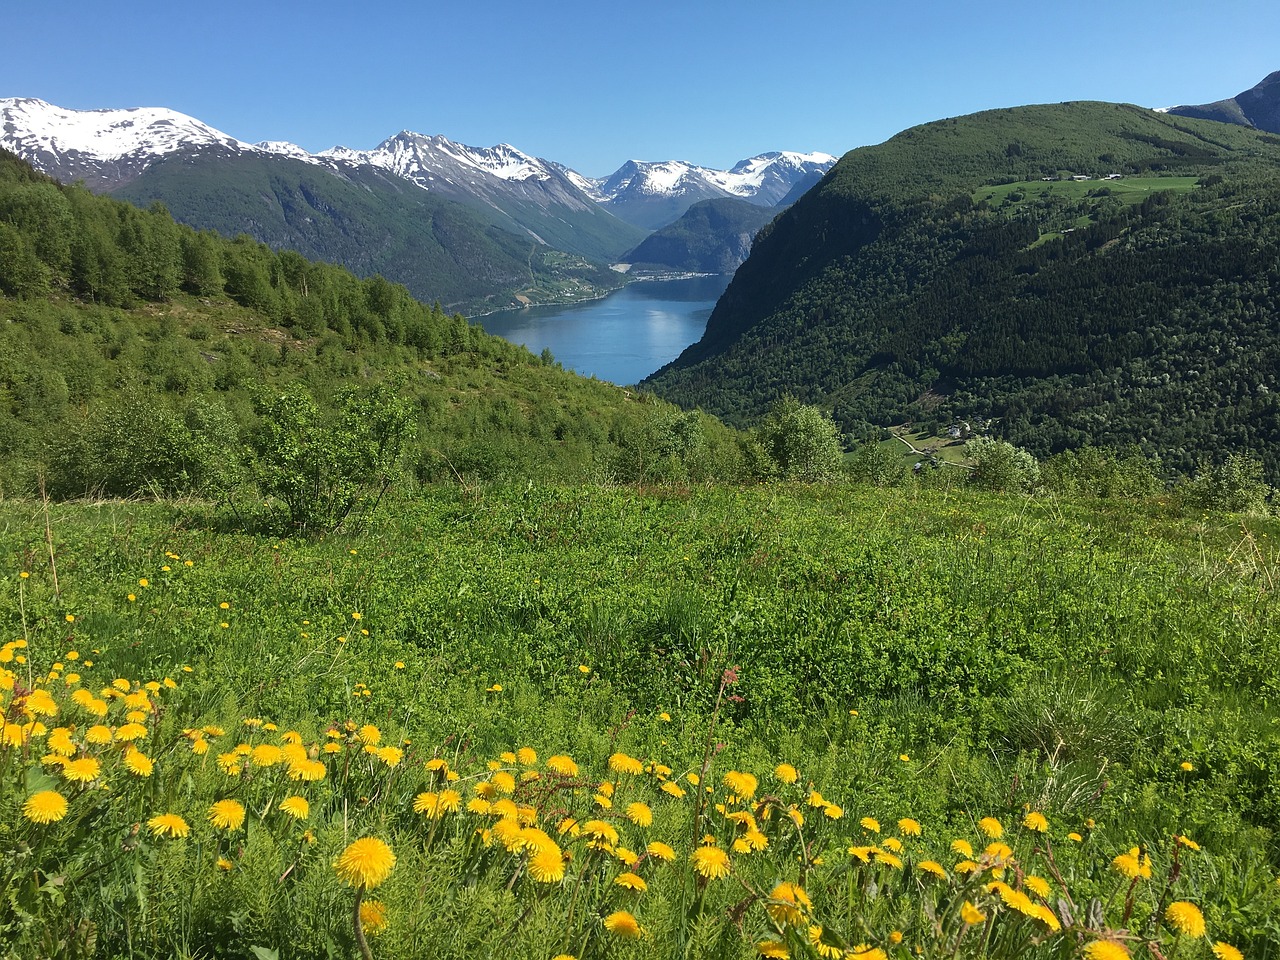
[[622, 338]]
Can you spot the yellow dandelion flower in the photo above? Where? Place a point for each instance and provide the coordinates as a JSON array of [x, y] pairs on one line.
[[266, 755], [547, 865], [892, 844], [908, 827], [1185, 919], [862, 853], [998, 851], [832, 812], [562, 765], [870, 824], [788, 904], [661, 851], [46, 806], [772, 950], [130, 732], [991, 827], [1106, 950], [99, 734], [1036, 821], [83, 770], [526, 756], [865, 952], [369, 735], [600, 830], [224, 864], [365, 863], [971, 914], [674, 789], [741, 785], [1225, 951], [711, 863], [1075, 837], [60, 742], [1133, 864], [640, 814], [932, 867], [828, 951], [1046, 916], [138, 763], [1186, 842], [296, 807], [631, 881], [786, 773], [373, 916], [623, 924], [227, 814], [622, 763], [1186, 767], [1037, 885], [309, 771], [168, 825], [888, 859], [391, 756]]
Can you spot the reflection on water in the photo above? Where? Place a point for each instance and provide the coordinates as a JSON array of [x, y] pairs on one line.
[[622, 338]]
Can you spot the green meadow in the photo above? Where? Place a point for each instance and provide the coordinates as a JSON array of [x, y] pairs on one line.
[[604, 721]]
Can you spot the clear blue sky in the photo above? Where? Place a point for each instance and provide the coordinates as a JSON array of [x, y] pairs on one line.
[[594, 84]]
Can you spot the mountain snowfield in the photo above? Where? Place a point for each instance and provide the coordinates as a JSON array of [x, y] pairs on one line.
[[108, 148]]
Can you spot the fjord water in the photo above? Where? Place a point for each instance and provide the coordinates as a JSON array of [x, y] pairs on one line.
[[622, 338]]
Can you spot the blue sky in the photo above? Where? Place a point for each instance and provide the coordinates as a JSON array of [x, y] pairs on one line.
[[594, 84]]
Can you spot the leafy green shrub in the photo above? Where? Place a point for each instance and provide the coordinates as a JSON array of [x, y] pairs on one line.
[[1235, 484], [802, 442], [999, 465], [321, 468], [1100, 473], [877, 465]]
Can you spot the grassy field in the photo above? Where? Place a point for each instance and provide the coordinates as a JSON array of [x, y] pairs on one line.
[[595, 721], [1128, 189]]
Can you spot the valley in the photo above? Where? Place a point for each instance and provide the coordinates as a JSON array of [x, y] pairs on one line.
[[919, 602]]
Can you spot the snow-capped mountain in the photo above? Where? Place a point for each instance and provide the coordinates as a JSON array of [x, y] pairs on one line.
[[653, 194], [104, 148], [109, 149], [509, 189], [438, 163]]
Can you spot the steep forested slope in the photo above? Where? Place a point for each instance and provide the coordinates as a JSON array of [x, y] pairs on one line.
[[958, 270], [370, 221]]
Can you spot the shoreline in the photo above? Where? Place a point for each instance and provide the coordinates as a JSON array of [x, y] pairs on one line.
[[631, 278]]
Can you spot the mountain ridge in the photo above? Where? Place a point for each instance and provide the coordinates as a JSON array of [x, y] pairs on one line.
[[1257, 107]]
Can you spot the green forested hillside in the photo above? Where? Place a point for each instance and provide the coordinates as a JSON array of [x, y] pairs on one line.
[[374, 223], [140, 356], [906, 286], [713, 236]]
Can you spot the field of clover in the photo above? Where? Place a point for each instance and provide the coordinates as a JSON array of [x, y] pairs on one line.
[[223, 746]]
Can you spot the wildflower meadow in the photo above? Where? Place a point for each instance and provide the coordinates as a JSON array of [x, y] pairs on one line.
[[582, 724]]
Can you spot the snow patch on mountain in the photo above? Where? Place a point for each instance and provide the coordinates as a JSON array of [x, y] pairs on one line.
[[104, 134]]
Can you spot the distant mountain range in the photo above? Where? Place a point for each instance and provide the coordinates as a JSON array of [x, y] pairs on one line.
[[1258, 107], [652, 195], [484, 228]]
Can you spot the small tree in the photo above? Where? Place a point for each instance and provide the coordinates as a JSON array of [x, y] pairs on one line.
[[321, 468], [1002, 466], [802, 441]]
